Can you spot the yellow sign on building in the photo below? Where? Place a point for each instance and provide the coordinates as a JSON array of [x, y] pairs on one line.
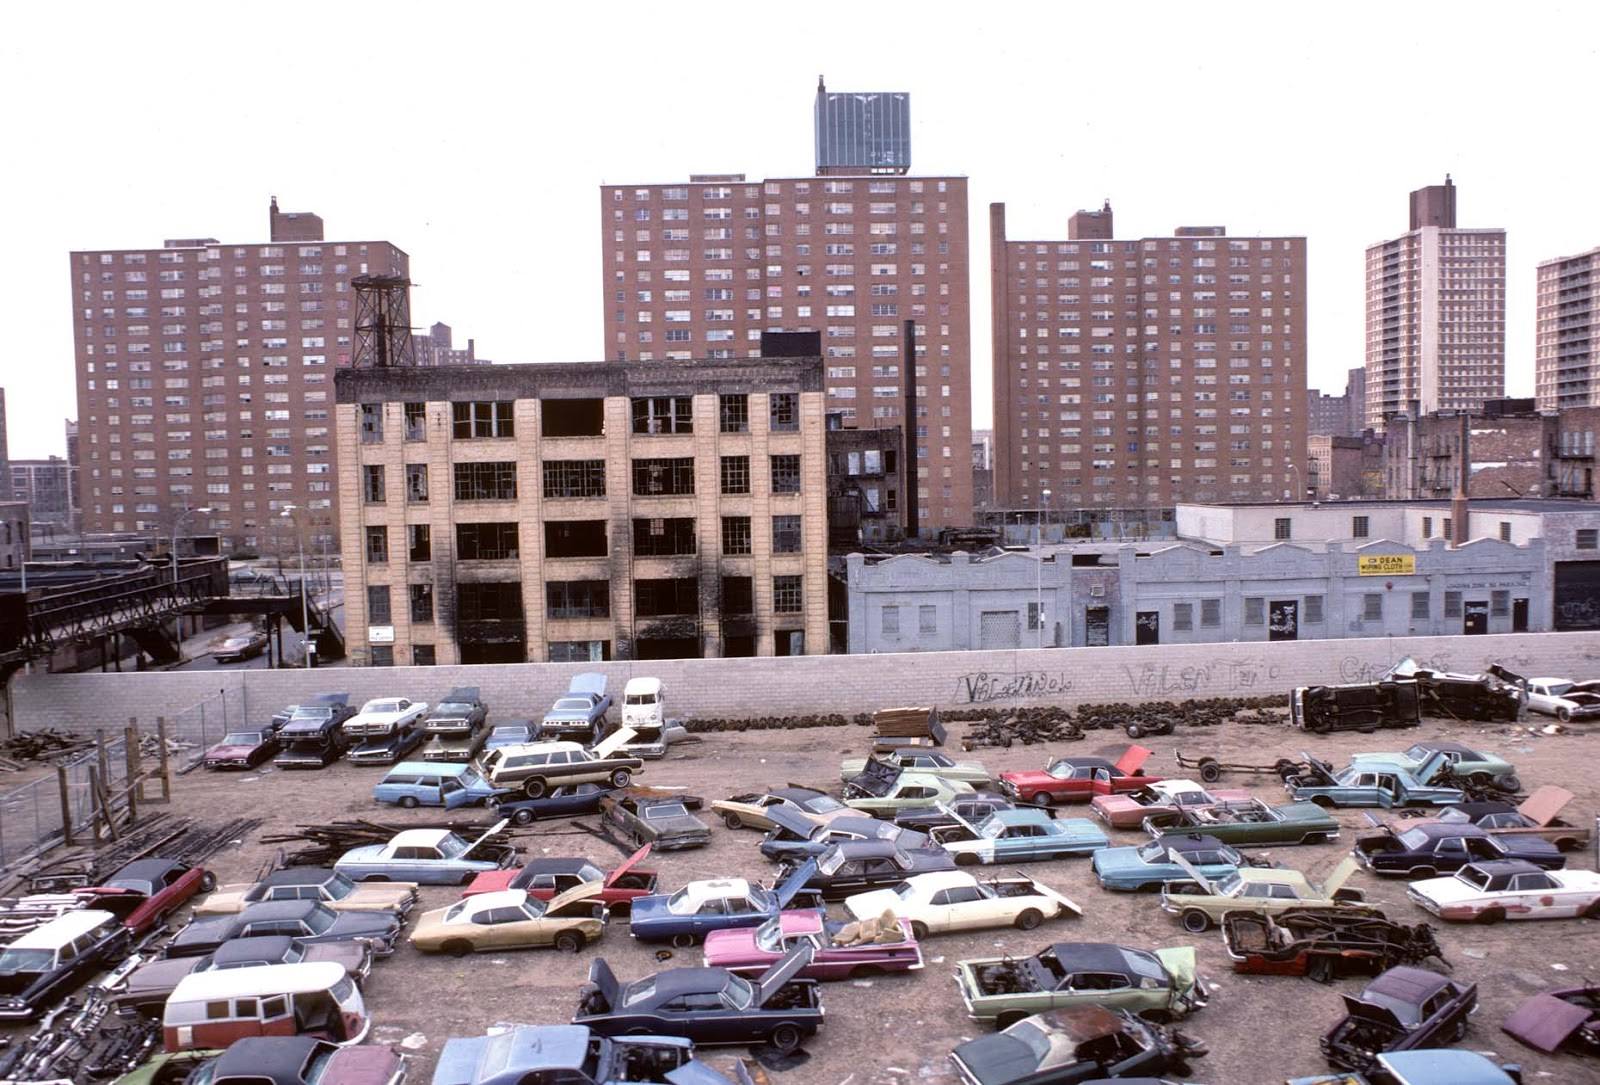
[[1386, 565]]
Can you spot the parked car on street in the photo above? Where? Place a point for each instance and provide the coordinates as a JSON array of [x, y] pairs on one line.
[[858, 865], [954, 900], [1564, 699], [308, 920], [1487, 892], [1001, 991], [1079, 779], [329, 887], [146, 891], [1248, 824], [1200, 903], [1404, 1009], [513, 919], [546, 876], [457, 727], [301, 1060], [51, 961], [1020, 836], [1435, 847], [1128, 810], [425, 856], [1148, 867], [1089, 1044], [568, 800], [842, 950], [579, 715], [752, 809], [538, 767], [240, 647], [700, 907], [664, 819], [242, 749], [930, 762]]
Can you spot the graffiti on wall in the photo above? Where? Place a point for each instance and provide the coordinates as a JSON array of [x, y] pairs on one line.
[[1221, 676], [982, 687]]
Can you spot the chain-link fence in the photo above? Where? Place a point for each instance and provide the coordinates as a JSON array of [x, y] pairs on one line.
[[31, 814], [201, 725]]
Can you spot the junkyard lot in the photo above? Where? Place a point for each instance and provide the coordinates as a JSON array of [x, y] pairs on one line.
[[900, 1028]]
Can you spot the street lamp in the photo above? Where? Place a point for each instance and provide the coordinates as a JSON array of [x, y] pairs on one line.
[[1038, 569], [305, 609]]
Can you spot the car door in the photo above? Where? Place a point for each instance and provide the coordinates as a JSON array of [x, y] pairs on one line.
[[450, 793], [709, 916], [968, 907]]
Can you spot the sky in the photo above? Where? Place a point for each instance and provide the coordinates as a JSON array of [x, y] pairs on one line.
[[476, 136]]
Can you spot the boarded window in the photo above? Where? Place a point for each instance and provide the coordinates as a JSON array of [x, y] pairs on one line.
[[1500, 604], [1421, 606], [1452, 604], [572, 417], [927, 620], [1586, 538], [1280, 528], [890, 620], [1372, 607], [1358, 527], [1505, 530]]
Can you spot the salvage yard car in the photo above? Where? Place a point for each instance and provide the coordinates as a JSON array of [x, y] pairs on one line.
[[664, 819], [796, 836], [425, 856], [146, 988], [242, 749], [1436, 1066], [1566, 1018], [1079, 779], [1248, 824], [1539, 815], [513, 919], [700, 907], [1563, 699], [1488, 892], [385, 729], [707, 1005], [1020, 836], [55, 958], [752, 809], [1148, 867], [1323, 944], [1404, 1009], [858, 865], [511, 733], [1128, 810], [882, 789], [955, 901], [931, 762], [1367, 783], [1200, 902], [842, 950], [314, 735], [1430, 759], [567, 1055], [1088, 1044], [301, 1060], [1001, 991], [430, 783], [213, 1009], [538, 767], [546, 876], [307, 920], [330, 887], [1364, 706], [568, 800], [1435, 847], [457, 727], [147, 891], [580, 713], [973, 808]]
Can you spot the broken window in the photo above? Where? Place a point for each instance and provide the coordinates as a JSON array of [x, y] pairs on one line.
[[738, 595], [572, 417], [663, 414], [736, 534], [574, 478], [372, 483], [377, 545], [578, 598], [579, 651], [482, 418], [786, 535], [486, 542], [736, 474], [663, 537], [489, 601], [734, 412], [419, 542], [786, 594], [378, 604], [786, 474], [491, 480], [784, 410], [673, 595], [416, 421], [575, 539], [371, 423], [417, 483], [663, 478], [421, 602]]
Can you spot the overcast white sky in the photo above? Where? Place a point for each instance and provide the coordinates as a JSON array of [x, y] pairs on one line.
[[475, 137]]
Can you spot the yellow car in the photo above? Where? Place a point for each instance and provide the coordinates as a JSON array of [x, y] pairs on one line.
[[512, 919]]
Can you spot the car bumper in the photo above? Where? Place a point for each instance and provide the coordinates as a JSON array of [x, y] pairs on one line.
[[229, 763], [1425, 903]]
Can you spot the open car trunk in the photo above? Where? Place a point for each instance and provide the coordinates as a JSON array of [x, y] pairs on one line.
[[600, 994]]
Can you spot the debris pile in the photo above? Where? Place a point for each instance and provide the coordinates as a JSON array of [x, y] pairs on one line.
[[46, 745], [325, 843]]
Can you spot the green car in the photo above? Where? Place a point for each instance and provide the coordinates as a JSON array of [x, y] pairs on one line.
[[1463, 761], [167, 1067], [932, 762], [1248, 824], [1001, 991], [883, 789]]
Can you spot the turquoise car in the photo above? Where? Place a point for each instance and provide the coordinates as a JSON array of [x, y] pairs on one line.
[[1018, 836], [1147, 867], [1426, 760], [1369, 783], [1443, 1066], [435, 783]]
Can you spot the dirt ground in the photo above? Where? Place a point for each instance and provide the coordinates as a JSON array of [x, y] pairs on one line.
[[899, 1029]]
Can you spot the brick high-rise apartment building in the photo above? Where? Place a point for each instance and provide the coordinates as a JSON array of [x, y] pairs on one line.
[[205, 378], [1436, 313], [700, 270], [1567, 352], [1144, 372]]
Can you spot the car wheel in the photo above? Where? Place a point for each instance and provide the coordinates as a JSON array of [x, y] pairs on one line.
[[1563, 714], [919, 930], [1491, 915], [208, 882], [1040, 798], [683, 941], [569, 941], [408, 802], [1420, 872], [1593, 911], [1009, 1018], [1210, 771], [732, 821], [1029, 919], [457, 948], [522, 817], [1320, 969], [1509, 782], [785, 1038], [966, 858], [1195, 921], [1461, 1031], [620, 778], [534, 788], [1323, 801]]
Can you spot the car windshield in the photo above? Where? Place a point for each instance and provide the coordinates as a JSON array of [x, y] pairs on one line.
[[1153, 852], [639, 991], [641, 698], [572, 704], [739, 992], [469, 778], [991, 829], [1229, 855], [454, 911], [380, 706], [311, 712], [339, 886], [667, 810], [1230, 885], [316, 1071], [905, 891], [1560, 689], [823, 804], [13, 961], [1061, 770], [1413, 840], [1454, 815], [831, 862], [516, 731], [769, 936], [294, 954], [590, 873], [452, 846], [1406, 1010], [241, 738], [678, 903], [319, 920], [1418, 752], [459, 707], [533, 907], [1037, 1041]]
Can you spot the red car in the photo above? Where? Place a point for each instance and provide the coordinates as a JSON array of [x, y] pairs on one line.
[[545, 878], [1079, 779], [146, 891], [753, 950], [243, 749]]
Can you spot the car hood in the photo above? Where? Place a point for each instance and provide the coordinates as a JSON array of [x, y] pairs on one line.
[[874, 903], [735, 943], [1528, 847], [220, 750], [364, 1064], [1543, 1022], [1030, 776], [782, 971], [160, 975], [798, 822], [490, 881], [1545, 804], [1447, 890], [1179, 961], [998, 1058], [458, 1060], [1124, 858], [1132, 760], [627, 864], [559, 715], [1367, 1011]]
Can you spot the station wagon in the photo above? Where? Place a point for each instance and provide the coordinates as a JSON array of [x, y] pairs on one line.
[[425, 783], [51, 960]]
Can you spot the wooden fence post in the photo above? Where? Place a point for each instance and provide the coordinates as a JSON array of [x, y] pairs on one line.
[[134, 782], [66, 805], [166, 760]]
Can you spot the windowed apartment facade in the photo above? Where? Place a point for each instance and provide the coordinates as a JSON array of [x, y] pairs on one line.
[[577, 512], [1567, 353]]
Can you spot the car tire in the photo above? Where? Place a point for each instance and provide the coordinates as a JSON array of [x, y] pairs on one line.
[[621, 778], [683, 941], [457, 948], [919, 930], [1041, 798], [731, 820], [522, 817], [1508, 782], [1564, 714], [1029, 919], [534, 788], [1210, 771], [1490, 916], [1009, 1018], [1461, 1031], [1195, 921], [208, 882], [408, 802], [1593, 911], [569, 941], [1421, 872], [785, 1038], [966, 858]]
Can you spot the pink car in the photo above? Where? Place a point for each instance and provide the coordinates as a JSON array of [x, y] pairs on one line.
[[1129, 810], [752, 950]]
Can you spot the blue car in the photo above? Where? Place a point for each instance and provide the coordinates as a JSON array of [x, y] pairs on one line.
[[1019, 836], [1147, 867], [434, 783], [687, 916], [1442, 1066], [796, 835], [568, 800], [515, 733], [1368, 783], [572, 1054]]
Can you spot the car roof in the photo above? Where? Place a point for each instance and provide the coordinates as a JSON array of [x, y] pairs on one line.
[[1505, 866], [148, 869], [63, 929], [859, 849], [270, 979], [1021, 815], [1191, 842], [275, 1058], [299, 875], [1448, 828], [676, 981], [935, 880], [500, 898], [1176, 787], [1276, 875], [522, 748], [277, 909], [418, 838], [1476, 810], [795, 794], [558, 865], [1084, 762], [524, 1048], [514, 725], [1447, 747], [1080, 1024], [719, 888], [428, 768], [642, 685], [1091, 956], [1403, 982], [271, 947]]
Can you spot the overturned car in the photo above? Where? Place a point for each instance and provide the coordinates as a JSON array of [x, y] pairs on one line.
[[1323, 943]]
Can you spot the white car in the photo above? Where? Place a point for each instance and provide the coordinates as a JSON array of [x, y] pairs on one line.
[[1509, 889], [1563, 699], [954, 900], [384, 716]]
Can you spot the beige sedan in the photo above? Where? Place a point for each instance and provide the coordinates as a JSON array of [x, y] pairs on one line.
[[511, 919], [749, 810], [330, 887]]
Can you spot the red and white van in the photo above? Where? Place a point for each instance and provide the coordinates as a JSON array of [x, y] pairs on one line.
[[213, 1009]]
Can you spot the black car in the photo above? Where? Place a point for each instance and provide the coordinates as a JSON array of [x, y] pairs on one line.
[[707, 1005], [389, 748], [973, 808], [1431, 848], [300, 1060], [1470, 696], [856, 866], [462, 709], [53, 959], [568, 800], [307, 920], [314, 735], [1392, 702], [1074, 1045], [795, 836], [1405, 1009]]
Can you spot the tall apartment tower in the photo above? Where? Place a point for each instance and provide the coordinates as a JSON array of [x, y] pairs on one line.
[[701, 270], [1567, 350], [5, 470], [1143, 372], [205, 379], [1436, 313]]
